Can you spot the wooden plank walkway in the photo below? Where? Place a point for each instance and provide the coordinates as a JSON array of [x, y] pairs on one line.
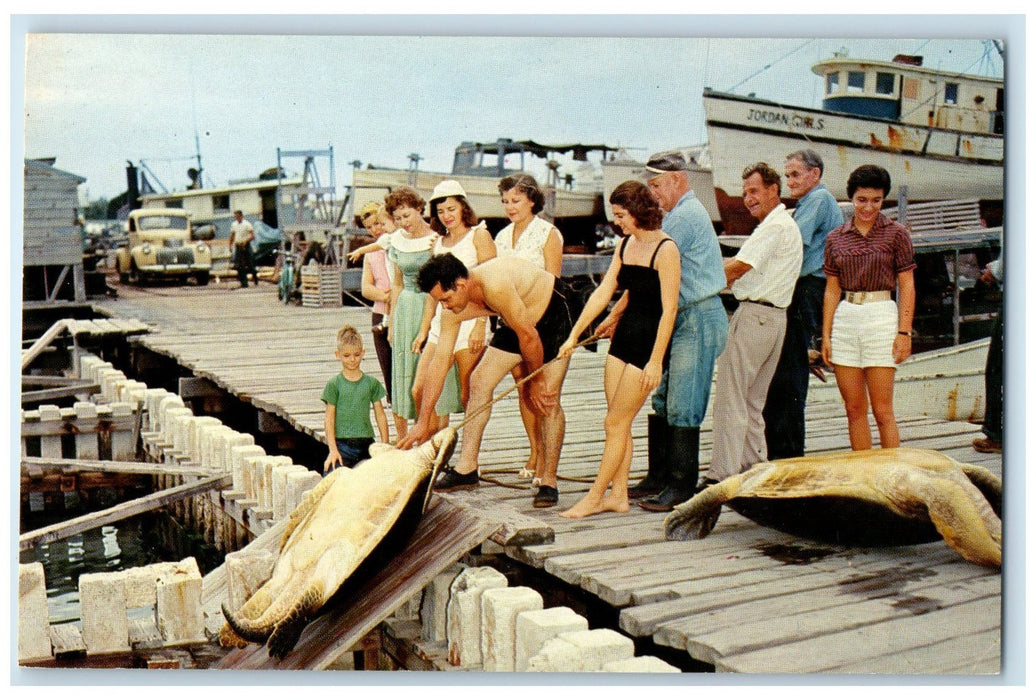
[[745, 599]]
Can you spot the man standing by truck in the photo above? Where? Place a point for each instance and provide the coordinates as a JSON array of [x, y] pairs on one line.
[[241, 236]]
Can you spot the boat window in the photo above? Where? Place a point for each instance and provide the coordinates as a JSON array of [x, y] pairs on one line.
[[832, 82], [885, 84], [221, 201], [950, 94], [856, 79]]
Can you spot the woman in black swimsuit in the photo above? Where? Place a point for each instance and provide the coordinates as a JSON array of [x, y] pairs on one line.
[[647, 266]]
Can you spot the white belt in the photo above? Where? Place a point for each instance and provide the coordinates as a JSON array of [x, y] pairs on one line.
[[867, 297]]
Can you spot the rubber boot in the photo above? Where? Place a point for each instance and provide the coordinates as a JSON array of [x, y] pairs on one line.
[[658, 449], [683, 471]]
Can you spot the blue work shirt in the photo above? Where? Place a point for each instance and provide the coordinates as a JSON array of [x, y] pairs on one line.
[[701, 261], [817, 214]]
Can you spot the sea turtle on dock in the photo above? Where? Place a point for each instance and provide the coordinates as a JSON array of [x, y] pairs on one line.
[[889, 496], [343, 530]]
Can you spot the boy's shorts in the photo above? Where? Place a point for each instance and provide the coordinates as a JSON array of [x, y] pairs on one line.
[[354, 450]]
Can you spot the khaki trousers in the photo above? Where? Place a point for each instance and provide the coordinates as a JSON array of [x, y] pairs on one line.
[[743, 374]]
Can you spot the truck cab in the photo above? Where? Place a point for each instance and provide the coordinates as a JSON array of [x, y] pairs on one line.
[[160, 245]]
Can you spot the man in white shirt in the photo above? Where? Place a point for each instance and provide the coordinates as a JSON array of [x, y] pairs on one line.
[[762, 277], [240, 242]]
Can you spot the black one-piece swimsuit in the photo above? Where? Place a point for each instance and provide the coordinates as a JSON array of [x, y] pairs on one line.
[[634, 337]]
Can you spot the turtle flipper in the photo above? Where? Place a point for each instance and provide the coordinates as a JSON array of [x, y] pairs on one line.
[[967, 523], [988, 483], [694, 519], [286, 633]]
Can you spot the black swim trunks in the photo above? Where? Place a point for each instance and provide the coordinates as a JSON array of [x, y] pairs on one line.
[[553, 328]]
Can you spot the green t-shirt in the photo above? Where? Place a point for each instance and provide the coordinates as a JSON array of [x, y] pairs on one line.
[[352, 402]]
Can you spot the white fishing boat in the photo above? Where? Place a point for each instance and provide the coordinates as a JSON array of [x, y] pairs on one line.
[[948, 383], [939, 134]]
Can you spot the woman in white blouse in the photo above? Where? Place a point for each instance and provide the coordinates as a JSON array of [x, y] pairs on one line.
[[538, 241]]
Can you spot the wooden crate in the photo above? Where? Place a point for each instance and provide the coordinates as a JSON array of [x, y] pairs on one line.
[[321, 286]]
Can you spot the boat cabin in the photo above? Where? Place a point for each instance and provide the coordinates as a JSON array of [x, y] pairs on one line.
[[903, 90]]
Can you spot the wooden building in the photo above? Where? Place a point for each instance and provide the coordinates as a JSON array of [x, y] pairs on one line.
[[52, 244]]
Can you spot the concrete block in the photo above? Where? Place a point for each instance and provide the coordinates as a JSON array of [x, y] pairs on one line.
[[433, 605], [102, 601], [195, 430], [229, 442], [247, 570], [123, 447], [299, 484], [152, 401], [239, 456], [640, 664], [33, 615], [165, 404], [280, 488], [178, 606], [86, 441], [134, 393], [88, 365], [533, 628], [500, 609], [572, 652], [50, 445], [410, 609], [169, 422], [142, 581], [464, 614], [262, 479]]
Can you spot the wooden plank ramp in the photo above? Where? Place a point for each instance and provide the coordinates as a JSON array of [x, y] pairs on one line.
[[746, 599]]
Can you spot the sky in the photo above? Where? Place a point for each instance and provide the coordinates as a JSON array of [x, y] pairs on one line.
[[94, 101]]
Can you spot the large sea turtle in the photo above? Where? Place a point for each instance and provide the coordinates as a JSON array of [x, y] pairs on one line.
[[873, 497], [342, 531]]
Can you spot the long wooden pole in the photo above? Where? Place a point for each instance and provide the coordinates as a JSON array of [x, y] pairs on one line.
[[122, 511], [32, 466]]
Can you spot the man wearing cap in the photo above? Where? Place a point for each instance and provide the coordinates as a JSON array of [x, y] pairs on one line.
[[762, 278], [816, 213], [699, 334]]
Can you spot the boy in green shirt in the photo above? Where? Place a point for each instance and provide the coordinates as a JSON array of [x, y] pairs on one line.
[[348, 397]]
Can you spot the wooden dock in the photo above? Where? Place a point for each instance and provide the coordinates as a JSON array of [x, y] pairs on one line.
[[746, 599]]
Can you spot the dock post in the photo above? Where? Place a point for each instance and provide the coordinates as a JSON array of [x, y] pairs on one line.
[[533, 628], [464, 614], [102, 599], [51, 427], [178, 603], [500, 609], [33, 615], [86, 430], [433, 605]]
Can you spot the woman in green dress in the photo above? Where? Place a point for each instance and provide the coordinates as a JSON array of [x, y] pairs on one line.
[[409, 248]]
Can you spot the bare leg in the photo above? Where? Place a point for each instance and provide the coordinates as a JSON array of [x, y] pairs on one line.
[[424, 359], [493, 367], [853, 387], [625, 399], [879, 388], [531, 422], [552, 425], [465, 361]]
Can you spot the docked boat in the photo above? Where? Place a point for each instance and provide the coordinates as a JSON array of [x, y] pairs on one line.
[[621, 166], [574, 200], [940, 135], [948, 383]]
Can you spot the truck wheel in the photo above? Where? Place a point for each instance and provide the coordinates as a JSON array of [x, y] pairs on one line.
[[124, 277], [134, 276], [203, 278]]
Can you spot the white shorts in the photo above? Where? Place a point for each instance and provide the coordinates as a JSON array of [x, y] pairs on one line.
[[463, 334], [862, 334]]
